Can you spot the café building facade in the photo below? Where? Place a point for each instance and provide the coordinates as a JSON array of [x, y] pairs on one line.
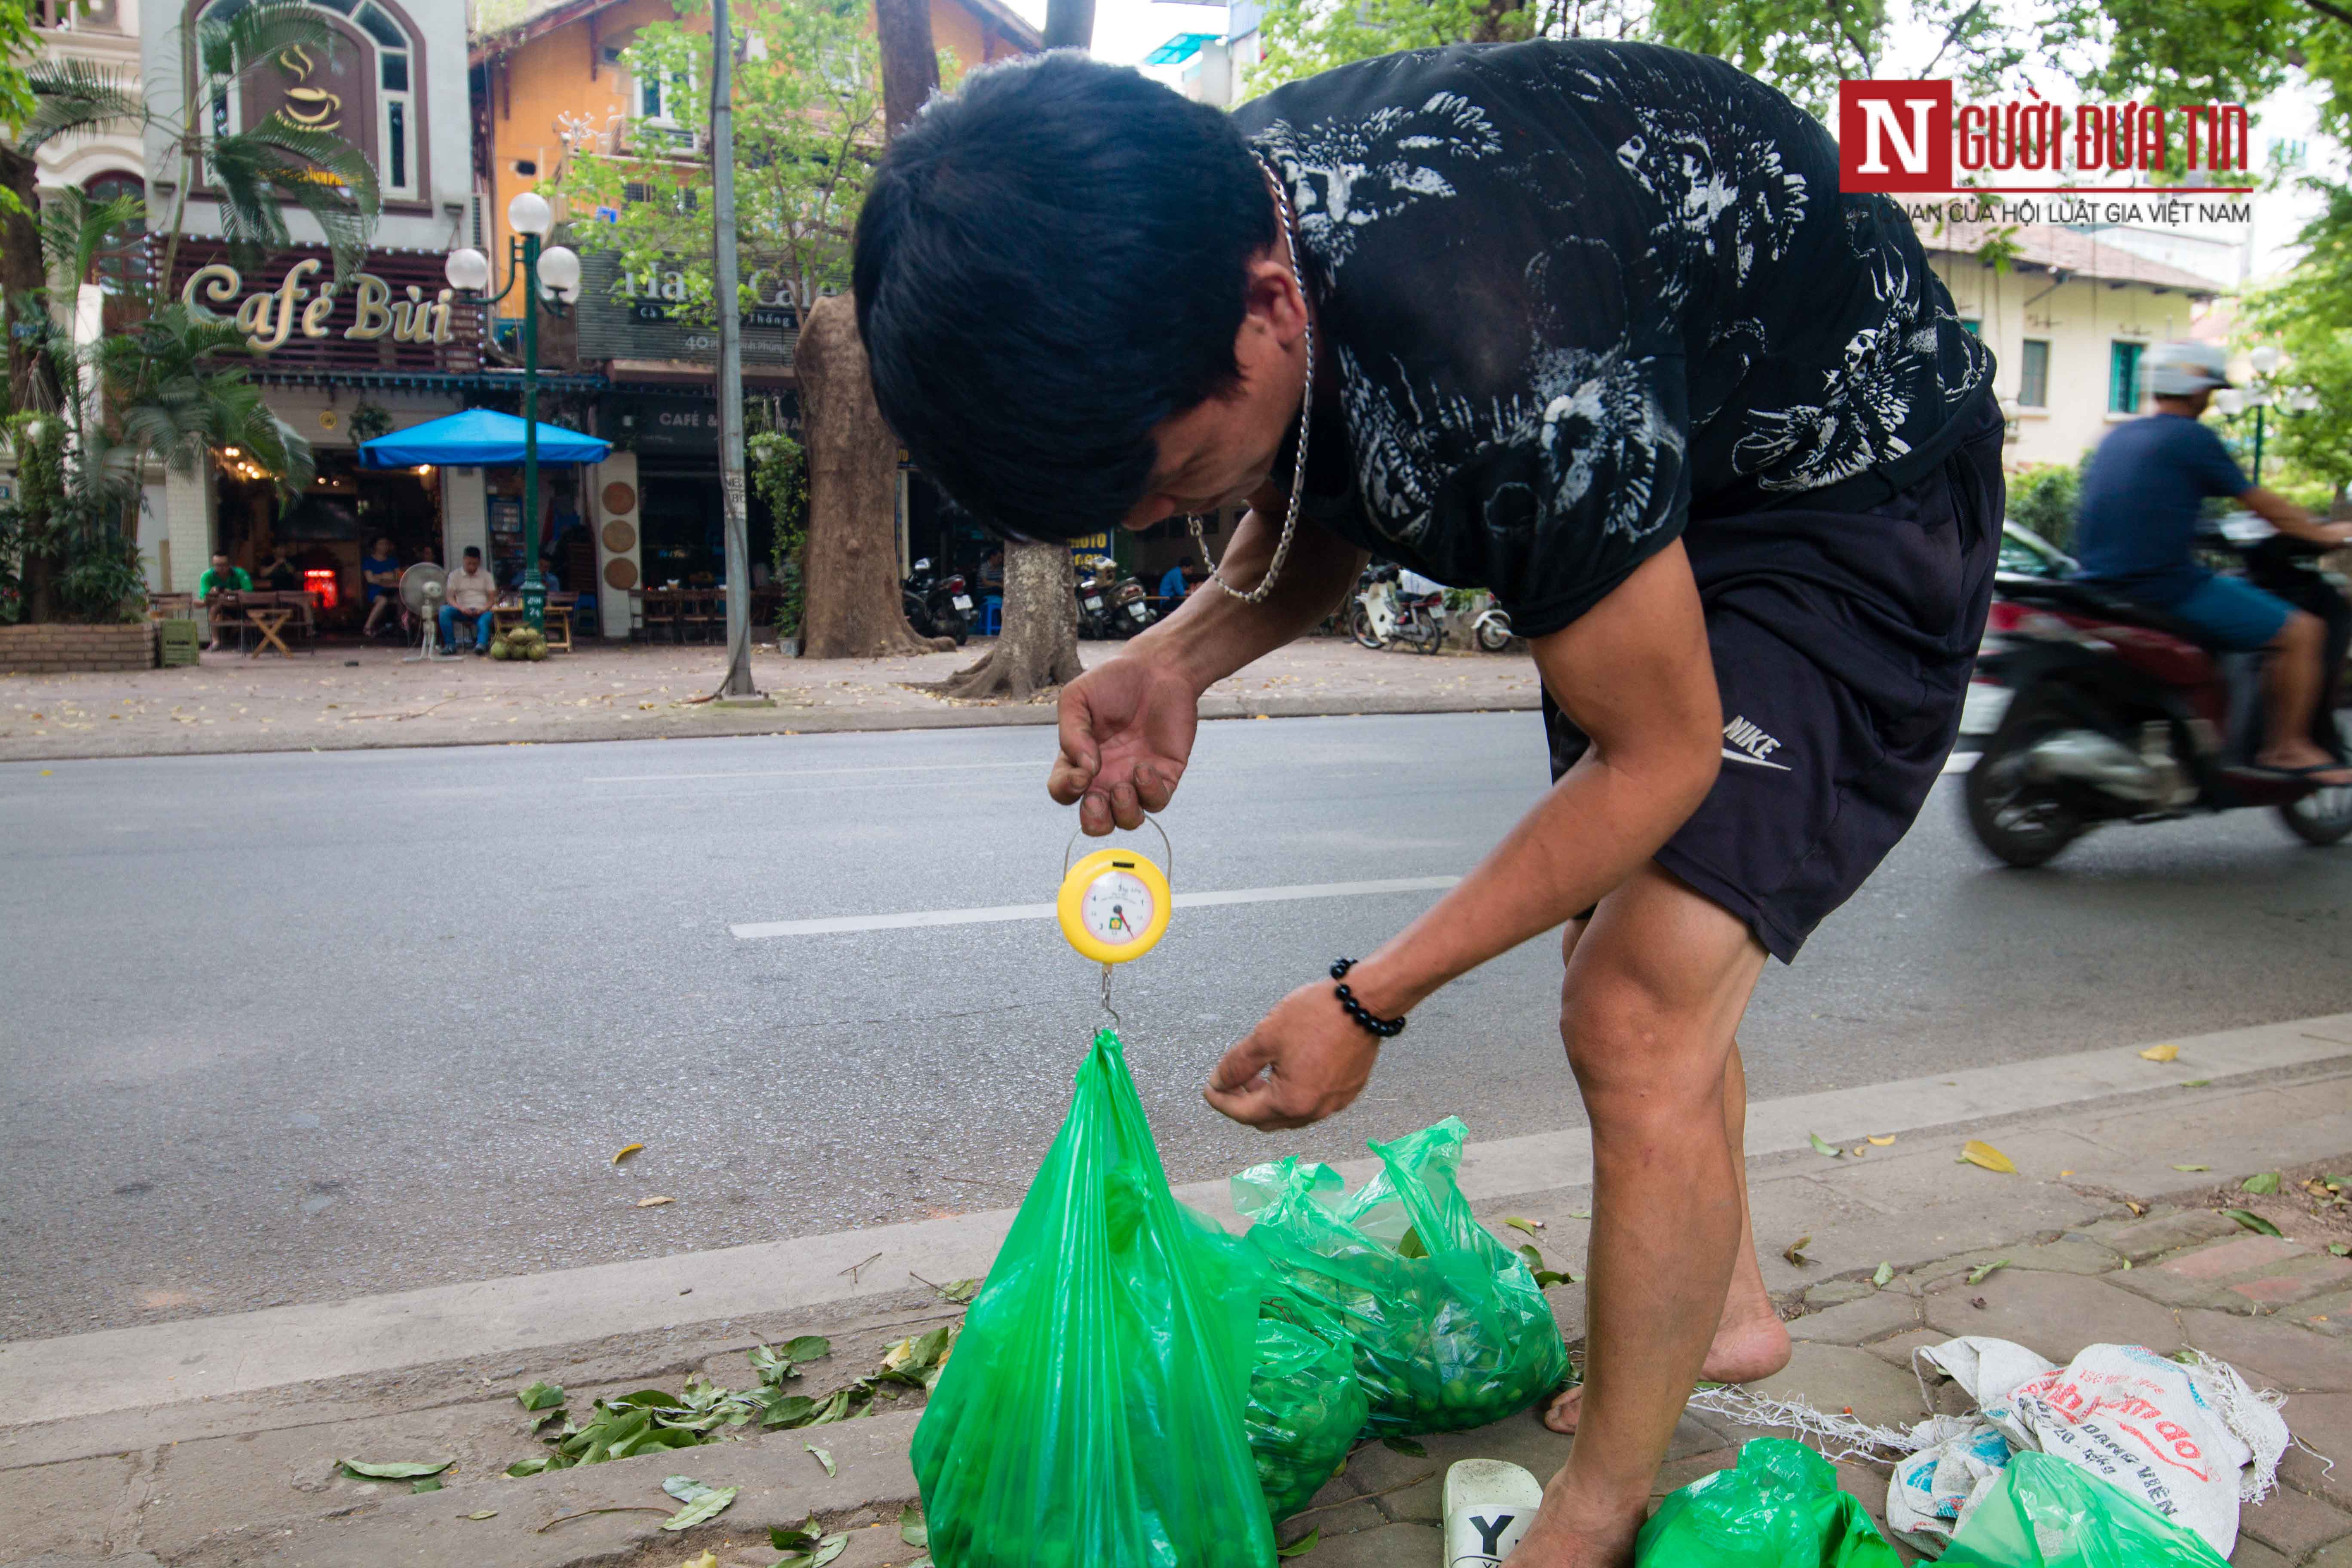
[[338, 360]]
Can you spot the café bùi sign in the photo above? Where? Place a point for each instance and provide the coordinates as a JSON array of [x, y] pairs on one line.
[[395, 312]]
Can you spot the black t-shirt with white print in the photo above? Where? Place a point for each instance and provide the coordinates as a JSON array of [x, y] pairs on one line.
[[1573, 292]]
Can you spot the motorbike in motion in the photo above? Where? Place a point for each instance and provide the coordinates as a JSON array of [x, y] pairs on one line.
[[2118, 714], [937, 604]]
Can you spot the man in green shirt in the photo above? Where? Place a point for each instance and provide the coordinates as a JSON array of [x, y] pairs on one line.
[[221, 578]]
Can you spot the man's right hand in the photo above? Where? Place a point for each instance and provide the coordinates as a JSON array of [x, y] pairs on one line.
[[1127, 733]]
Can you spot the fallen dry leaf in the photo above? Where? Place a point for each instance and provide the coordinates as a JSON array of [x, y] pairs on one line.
[[1882, 1143], [1978, 1152], [653, 1203], [2160, 1054], [631, 1149], [1795, 1251]]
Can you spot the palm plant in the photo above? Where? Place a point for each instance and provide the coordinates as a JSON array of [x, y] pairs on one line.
[[260, 172]]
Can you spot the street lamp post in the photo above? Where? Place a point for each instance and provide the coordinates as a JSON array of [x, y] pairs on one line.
[[2260, 393], [551, 281]]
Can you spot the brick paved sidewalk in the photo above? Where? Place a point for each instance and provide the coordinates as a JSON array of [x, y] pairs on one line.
[[346, 698]]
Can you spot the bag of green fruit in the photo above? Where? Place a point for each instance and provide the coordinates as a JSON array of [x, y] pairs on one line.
[[1092, 1414], [1449, 1327], [1305, 1405]]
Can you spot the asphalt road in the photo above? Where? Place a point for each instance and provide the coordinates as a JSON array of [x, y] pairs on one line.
[[303, 1026]]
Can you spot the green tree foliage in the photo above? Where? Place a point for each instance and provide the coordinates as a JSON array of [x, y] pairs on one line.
[[262, 171], [808, 126]]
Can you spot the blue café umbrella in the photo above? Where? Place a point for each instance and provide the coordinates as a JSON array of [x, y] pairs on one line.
[[479, 437]]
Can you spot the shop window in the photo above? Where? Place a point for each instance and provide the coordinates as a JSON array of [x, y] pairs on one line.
[[121, 264], [2123, 377], [2033, 374]]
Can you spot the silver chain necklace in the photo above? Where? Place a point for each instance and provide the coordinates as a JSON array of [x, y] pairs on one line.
[[1305, 408]]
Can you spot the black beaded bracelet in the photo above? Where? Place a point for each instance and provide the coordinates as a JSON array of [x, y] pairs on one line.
[[1382, 1028]]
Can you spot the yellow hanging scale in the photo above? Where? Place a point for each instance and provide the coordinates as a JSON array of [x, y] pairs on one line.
[[1114, 905]]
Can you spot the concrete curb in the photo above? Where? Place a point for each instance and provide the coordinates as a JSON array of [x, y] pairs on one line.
[[170, 1363]]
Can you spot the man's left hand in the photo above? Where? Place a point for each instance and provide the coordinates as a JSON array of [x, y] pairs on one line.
[[1305, 1060]]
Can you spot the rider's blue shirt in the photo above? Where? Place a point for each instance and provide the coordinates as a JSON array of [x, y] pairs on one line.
[[2146, 484]]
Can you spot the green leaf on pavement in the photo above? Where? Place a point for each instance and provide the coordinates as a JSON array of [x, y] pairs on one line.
[[958, 1291], [484, 1513], [1580, 1214], [426, 1484], [808, 1348], [2340, 1250], [707, 1504], [1977, 1275], [393, 1470], [522, 1468], [2253, 1221], [2262, 1184], [1302, 1546], [1548, 1278], [823, 1552], [801, 1537], [1516, 1222], [2198, 1083], [1824, 1148], [911, 1528], [1405, 1446], [822, 1458], [542, 1396], [1882, 1276], [2192, 1167]]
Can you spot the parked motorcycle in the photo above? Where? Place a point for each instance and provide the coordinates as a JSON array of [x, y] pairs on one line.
[[2117, 713], [937, 606], [1493, 629], [1395, 605], [1111, 605]]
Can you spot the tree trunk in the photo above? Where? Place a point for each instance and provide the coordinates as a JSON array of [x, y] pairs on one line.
[[20, 274], [1039, 647], [852, 565], [1069, 24], [910, 63]]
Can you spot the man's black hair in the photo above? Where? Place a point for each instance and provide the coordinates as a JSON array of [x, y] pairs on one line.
[[1050, 263], [475, 550]]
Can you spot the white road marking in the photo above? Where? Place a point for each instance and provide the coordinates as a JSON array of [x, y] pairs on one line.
[[754, 930], [809, 773]]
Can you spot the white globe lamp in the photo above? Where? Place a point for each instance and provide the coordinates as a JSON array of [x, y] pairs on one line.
[[530, 214]]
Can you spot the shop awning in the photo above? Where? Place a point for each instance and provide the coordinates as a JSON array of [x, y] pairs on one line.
[[475, 438]]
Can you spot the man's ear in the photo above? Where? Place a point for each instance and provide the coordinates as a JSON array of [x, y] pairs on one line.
[[1272, 302]]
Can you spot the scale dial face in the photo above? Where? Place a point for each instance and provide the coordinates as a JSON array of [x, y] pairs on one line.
[[1114, 906], [1117, 907]]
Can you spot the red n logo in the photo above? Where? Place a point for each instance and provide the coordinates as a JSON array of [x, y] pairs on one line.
[[1894, 136]]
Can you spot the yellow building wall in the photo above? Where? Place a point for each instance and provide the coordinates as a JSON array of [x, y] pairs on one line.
[[564, 73]]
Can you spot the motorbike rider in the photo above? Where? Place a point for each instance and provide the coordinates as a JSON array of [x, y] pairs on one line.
[[2141, 498]]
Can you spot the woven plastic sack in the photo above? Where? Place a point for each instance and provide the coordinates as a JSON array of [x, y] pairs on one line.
[[1779, 1507], [1305, 1405], [1450, 1328], [1091, 1416], [2044, 1512]]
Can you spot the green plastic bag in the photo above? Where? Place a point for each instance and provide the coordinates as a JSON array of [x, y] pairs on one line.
[[1305, 1405], [2047, 1512], [1779, 1508], [1091, 1415], [1451, 1329]]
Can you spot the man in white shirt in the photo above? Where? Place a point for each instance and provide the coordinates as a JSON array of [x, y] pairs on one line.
[[471, 593]]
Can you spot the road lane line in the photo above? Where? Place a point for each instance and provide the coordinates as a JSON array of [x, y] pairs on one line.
[[756, 931], [1961, 762], [810, 773]]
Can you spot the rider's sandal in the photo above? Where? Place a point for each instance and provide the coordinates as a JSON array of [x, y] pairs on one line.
[[1489, 1505]]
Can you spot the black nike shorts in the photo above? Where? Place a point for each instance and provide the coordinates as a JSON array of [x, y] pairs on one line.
[[1844, 629]]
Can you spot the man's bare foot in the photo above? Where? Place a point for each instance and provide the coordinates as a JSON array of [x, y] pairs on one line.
[[1753, 1344], [1568, 1535]]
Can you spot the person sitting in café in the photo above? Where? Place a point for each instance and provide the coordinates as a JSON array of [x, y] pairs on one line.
[[379, 581], [471, 593], [1174, 584], [991, 571], [279, 573], [221, 578]]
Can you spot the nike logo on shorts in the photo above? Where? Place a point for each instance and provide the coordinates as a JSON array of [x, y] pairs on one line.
[[1754, 746]]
